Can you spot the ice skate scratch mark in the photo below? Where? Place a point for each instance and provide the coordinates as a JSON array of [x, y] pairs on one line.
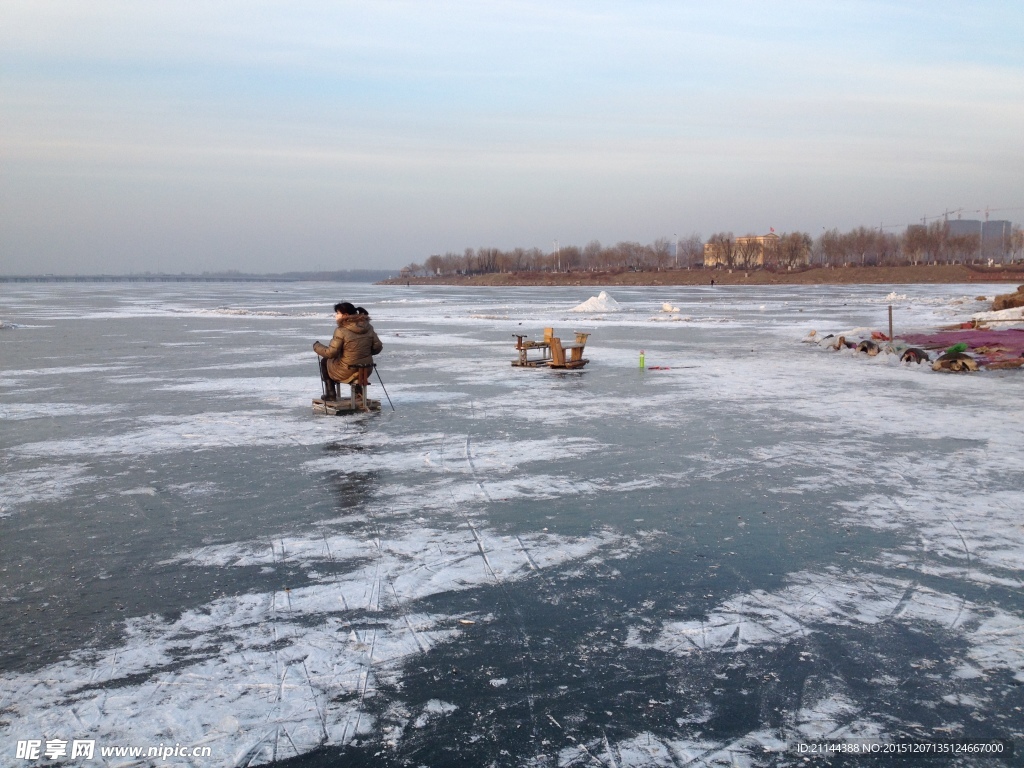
[[520, 623], [415, 635], [967, 550], [280, 684], [903, 602], [250, 754], [608, 749], [288, 736], [480, 546], [364, 675], [364, 681], [818, 593], [579, 746], [277, 650], [532, 563], [472, 469], [312, 692], [373, 600], [399, 605]]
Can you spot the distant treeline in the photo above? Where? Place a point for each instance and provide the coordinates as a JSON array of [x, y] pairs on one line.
[[340, 276], [231, 276], [932, 244]]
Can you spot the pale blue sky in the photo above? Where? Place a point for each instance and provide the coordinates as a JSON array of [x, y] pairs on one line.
[[195, 136]]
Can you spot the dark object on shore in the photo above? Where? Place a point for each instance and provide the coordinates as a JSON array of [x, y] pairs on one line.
[[914, 355], [842, 343], [869, 347], [957, 362]]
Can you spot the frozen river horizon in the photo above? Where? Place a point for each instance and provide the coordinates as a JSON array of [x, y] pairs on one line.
[[754, 544]]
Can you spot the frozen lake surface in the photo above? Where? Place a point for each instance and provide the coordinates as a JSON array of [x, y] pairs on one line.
[[763, 545]]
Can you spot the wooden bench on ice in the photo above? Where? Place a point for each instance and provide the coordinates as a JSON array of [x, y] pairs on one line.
[[551, 351]]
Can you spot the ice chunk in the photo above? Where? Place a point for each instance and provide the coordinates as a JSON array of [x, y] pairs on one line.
[[600, 303]]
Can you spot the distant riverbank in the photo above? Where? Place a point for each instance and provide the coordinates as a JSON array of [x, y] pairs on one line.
[[922, 273]]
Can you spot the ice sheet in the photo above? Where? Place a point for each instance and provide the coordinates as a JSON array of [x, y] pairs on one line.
[[761, 543]]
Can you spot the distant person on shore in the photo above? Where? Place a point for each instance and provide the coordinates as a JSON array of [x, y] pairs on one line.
[[351, 349], [712, 281]]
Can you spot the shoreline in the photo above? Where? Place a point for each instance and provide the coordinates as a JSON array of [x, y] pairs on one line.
[[900, 275]]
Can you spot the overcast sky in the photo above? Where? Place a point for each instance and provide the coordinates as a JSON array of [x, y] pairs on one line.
[[262, 136]]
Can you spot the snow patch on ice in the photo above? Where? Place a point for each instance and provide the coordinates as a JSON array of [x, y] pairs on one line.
[[19, 411], [43, 484], [143, 491], [198, 432], [263, 677], [433, 709], [459, 455], [835, 598], [978, 533], [829, 716]]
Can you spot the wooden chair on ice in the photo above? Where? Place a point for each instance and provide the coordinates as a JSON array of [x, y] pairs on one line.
[[551, 351]]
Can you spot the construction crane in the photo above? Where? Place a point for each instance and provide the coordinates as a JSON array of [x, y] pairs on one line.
[[986, 210]]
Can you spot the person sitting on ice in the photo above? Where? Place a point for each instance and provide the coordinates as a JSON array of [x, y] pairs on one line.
[[351, 349]]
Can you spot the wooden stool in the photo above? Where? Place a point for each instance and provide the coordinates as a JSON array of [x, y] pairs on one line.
[[359, 381]]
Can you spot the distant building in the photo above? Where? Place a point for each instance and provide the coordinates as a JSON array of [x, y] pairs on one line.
[[745, 252], [964, 227], [990, 231], [995, 235]]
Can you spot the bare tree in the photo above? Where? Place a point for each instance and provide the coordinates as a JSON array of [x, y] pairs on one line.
[[631, 254], [831, 244], [536, 259], [748, 251], [572, 257], [938, 234], [963, 247], [693, 250], [661, 253], [1016, 243], [487, 260], [887, 247], [433, 264], [793, 248], [723, 246], [915, 243]]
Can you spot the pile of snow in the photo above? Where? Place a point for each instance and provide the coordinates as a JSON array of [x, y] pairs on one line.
[[1013, 315], [896, 296], [600, 303], [666, 307]]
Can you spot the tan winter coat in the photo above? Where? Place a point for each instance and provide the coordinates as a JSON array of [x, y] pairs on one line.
[[354, 344]]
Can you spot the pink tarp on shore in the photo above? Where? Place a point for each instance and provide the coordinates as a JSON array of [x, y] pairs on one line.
[[988, 346]]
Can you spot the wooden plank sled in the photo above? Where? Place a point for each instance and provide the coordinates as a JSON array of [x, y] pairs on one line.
[[342, 407], [551, 351]]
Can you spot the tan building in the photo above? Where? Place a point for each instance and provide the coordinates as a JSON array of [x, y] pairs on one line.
[[753, 251]]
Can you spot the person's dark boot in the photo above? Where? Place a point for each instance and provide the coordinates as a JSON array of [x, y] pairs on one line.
[[332, 393]]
